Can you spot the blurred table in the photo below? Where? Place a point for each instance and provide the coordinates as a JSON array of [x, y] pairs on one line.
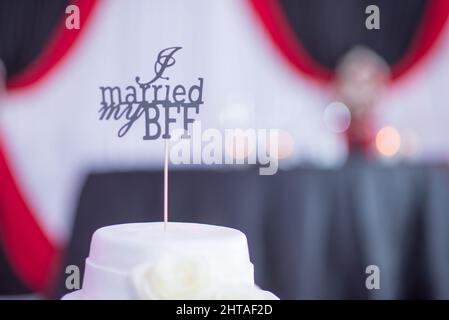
[[311, 232]]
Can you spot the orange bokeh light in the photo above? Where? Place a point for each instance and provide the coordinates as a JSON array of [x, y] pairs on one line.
[[388, 141]]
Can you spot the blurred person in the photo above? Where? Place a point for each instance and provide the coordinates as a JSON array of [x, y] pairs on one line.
[[361, 78]]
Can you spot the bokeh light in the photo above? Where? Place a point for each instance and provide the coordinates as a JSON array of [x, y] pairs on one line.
[[285, 144], [337, 117], [388, 141], [239, 145]]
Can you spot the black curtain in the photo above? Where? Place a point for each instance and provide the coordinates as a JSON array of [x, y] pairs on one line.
[[25, 27], [327, 29]]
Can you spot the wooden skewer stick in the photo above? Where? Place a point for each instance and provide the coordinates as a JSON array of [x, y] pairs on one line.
[[165, 183]]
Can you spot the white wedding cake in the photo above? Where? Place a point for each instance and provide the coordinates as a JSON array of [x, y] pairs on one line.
[[181, 261]]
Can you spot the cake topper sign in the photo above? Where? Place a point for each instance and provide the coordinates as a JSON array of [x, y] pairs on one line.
[[148, 100]]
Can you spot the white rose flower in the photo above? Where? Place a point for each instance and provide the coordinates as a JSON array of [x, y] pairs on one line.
[[190, 277], [174, 277]]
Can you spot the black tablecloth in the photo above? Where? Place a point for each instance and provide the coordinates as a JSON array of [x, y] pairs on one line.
[[311, 232]]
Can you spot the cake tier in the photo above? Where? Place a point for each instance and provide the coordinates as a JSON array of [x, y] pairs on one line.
[[116, 251]]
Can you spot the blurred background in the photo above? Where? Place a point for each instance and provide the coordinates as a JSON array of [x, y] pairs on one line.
[[363, 153]]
